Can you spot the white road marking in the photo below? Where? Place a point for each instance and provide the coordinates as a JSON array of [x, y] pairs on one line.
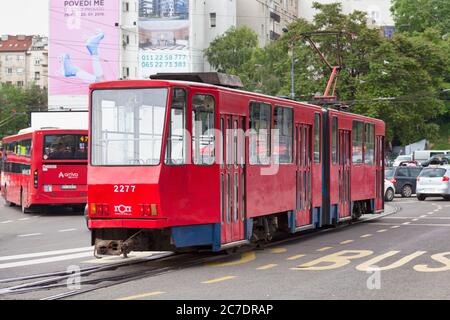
[[24, 219], [407, 223], [29, 235], [424, 216], [416, 224], [45, 260], [415, 220], [45, 254], [8, 221], [67, 230]]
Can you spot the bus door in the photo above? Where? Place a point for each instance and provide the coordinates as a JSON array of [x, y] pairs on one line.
[[303, 175], [344, 174], [379, 158], [232, 178]]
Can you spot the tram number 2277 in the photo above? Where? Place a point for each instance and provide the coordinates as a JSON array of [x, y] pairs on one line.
[[124, 189]]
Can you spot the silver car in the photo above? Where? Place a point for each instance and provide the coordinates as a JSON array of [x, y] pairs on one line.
[[434, 182]]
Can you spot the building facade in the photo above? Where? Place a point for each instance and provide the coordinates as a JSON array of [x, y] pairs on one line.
[[150, 36], [13, 59], [267, 17], [378, 11]]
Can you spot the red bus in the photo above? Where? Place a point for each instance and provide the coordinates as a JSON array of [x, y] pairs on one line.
[[45, 167], [160, 180]]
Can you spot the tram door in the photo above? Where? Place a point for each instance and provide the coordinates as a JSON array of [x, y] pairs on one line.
[[303, 175], [344, 174], [379, 158], [232, 178]]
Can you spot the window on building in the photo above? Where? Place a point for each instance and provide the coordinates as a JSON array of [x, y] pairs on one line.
[[203, 133], [126, 7], [37, 76], [334, 137], [20, 83], [19, 70], [176, 137], [213, 19], [357, 142], [37, 62], [260, 124], [284, 123], [317, 138], [369, 147], [9, 71]]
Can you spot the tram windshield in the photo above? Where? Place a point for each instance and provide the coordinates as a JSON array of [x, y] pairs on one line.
[[127, 126]]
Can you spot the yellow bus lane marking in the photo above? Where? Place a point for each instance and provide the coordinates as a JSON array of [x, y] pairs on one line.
[[395, 227], [370, 265], [245, 258], [278, 250], [440, 257], [142, 296], [347, 241], [333, 261], [219, 280], [324, 249], [367, 235], [382, 230], [295, 257], [267, 267]]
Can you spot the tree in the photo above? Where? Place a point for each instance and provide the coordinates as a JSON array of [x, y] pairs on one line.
[[15, 106], [231, 51], [418, 15]]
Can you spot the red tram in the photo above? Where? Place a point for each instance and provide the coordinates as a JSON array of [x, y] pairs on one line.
[[176, 165]]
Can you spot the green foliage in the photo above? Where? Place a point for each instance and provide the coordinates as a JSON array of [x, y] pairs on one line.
[[15, 106], [398, 80], [419, 15]]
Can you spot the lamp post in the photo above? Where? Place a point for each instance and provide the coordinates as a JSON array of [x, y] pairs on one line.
[[286, 30]]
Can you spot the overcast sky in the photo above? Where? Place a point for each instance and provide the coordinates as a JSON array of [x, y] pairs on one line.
[[24, 17]]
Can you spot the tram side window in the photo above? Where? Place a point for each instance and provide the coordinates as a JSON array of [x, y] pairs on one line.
[[283, 122], [357, 142], [335, 137], [317, 138], [260, 124], [176, 139], [369, 148], [203, 133]]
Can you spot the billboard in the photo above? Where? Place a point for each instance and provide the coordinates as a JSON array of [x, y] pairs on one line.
[[84, 44], [164, 28]]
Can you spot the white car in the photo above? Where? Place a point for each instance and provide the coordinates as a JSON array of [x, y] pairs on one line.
[[400, 159], [389, 191], [434, 181]]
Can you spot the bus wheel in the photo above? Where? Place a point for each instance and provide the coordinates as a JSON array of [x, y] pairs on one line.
[[22, 204], [8, 203]]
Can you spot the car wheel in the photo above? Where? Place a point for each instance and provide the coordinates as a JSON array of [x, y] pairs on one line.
[[421, 197], [390, 194], [407, 191]]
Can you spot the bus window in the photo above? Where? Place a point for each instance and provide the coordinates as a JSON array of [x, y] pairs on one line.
[[284, 123], [65, 147], [317, 138], [358, 138]]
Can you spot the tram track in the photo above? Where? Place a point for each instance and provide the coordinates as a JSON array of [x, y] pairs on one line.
[[165, 263]]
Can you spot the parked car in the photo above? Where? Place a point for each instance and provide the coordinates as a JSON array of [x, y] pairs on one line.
[[404, 179], [389, 191], [424, 155], [434, 182], [400, 159], [440, 160], [409, 163]]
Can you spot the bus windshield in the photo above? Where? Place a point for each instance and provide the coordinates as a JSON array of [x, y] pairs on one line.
[[65, 147], [127, 126]]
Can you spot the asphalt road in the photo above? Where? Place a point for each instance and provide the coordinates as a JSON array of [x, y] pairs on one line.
[[405, 255]]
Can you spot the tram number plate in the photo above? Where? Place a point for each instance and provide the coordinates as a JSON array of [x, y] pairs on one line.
[[124, 189]]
